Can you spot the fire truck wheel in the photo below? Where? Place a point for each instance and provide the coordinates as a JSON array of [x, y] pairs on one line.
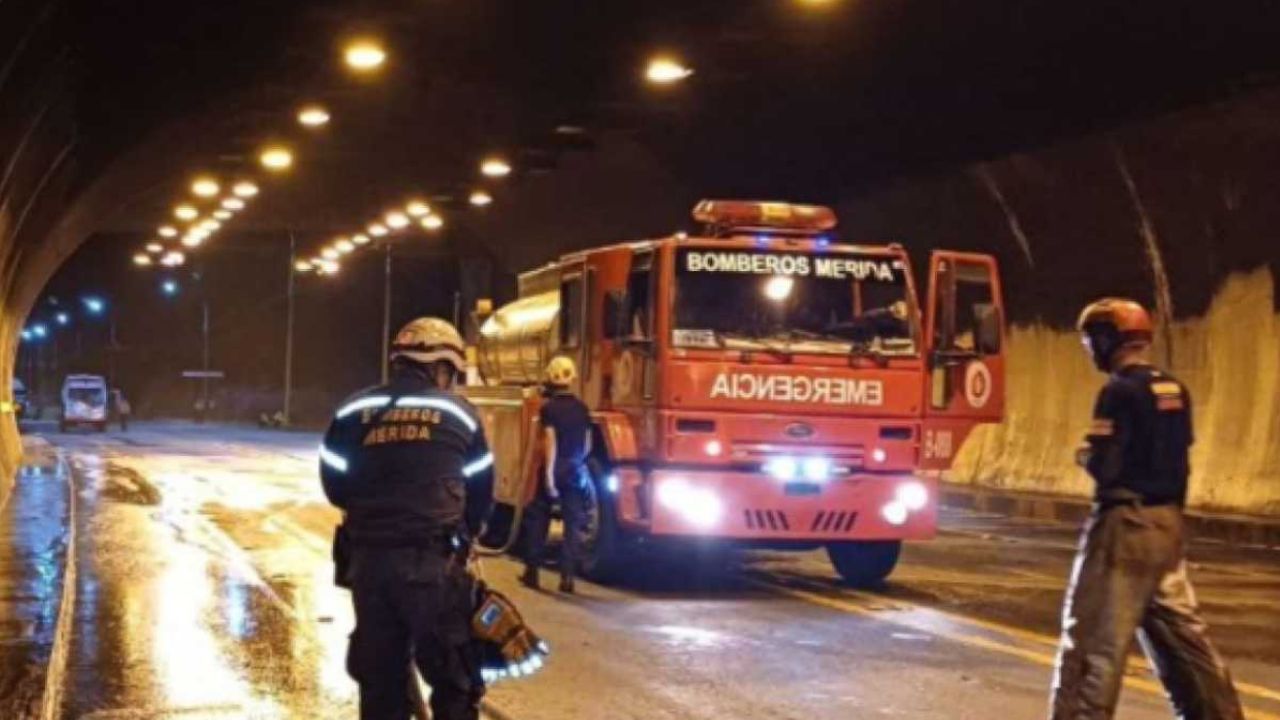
[[604, 546], [866, 563]]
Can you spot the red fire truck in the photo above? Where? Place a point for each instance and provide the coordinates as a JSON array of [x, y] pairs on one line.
[[758, 383]]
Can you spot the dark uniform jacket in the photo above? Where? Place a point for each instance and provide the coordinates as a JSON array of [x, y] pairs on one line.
[[571, 420], [408, 464], [1140, 437]]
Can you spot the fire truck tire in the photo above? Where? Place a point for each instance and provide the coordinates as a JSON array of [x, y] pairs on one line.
[[605, 549], [864, 563]]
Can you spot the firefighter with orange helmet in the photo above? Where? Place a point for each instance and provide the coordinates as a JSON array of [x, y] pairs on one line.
[[566, 427], [1131, 572]]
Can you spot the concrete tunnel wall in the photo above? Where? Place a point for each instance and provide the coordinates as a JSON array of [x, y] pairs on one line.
[[37, 143], [1230, 359]]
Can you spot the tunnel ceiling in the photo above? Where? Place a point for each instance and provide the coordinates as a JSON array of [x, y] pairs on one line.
[[788, 98]]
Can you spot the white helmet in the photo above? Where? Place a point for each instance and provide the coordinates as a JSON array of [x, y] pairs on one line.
[[427, 340], [561, 371]]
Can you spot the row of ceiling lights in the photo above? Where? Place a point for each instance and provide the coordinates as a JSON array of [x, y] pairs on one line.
[[361, 56], [416, 211]]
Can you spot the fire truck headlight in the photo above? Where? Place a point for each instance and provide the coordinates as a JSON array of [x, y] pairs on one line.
[[913, 495], [713, 448], [895, 512], [699, 506], [879, 455], [782, 468], [817, 469]]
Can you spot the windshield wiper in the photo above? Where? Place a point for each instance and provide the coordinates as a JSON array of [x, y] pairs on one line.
[[780, 352]]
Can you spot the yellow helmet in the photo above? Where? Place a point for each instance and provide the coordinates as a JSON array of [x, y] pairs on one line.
[[561, 371]]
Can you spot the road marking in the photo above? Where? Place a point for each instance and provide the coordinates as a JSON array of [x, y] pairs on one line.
[[56, 674], [965, 638]]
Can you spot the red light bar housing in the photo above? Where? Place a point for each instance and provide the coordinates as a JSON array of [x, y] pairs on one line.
[[722, 216]]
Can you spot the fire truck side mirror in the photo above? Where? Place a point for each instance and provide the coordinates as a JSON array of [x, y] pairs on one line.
[[616, 315], [988, 322]]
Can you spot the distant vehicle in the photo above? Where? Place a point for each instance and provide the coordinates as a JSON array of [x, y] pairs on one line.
[[84, 402], [21, 403]]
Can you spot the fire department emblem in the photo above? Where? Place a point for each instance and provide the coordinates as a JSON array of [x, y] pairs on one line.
[[977, 384], [799, 430]]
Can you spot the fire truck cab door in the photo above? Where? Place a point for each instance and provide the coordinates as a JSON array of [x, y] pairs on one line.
[[574, 341], [964, 327]]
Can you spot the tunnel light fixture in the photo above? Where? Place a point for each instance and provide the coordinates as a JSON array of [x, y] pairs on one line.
[[313, 116], [173, 258], [205, 187], [344, 246], [186, 212], [62, 318], [233, 204], [209, 225], [360, 239], [155, 248], [192, 241], [169, 287], [417, 208], [432, 223], [377, 230], [242, 189], [397, 220], [303, 266], [364, 55], [276, 158], [480, 198], [222, 215], [167, 231], [495, 167], [329, 254], [327, 267], [666, 70], [142, 259]]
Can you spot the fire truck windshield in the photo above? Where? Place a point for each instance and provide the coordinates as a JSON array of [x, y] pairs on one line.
[[827, 303]]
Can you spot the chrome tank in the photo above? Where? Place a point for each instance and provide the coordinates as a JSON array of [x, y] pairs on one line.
[[518, 340]]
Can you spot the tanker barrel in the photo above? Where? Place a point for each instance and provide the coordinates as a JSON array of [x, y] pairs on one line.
[[518, 340]]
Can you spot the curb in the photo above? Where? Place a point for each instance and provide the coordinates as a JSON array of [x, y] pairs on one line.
[[1230, 529]]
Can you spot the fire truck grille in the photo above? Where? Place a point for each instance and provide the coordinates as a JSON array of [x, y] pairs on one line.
[[839, 521], [766, 520]]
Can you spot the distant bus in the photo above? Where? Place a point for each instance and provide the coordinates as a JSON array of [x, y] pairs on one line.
[[84, 402]]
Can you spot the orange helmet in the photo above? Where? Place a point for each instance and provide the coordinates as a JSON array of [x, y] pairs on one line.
[[1110, 324]]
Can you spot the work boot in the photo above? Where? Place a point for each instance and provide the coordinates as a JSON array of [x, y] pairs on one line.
[[529, 578], [566, 585]]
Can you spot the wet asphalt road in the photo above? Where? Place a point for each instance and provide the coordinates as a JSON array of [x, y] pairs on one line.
[[203, 590]]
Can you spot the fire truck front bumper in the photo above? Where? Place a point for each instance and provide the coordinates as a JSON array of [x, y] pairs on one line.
[[753, 506]]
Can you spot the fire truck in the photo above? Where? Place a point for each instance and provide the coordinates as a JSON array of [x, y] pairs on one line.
[[756, 383]]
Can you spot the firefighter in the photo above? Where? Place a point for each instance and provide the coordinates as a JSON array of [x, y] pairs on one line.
[[408, 464], [566, 444], [1131, 573]]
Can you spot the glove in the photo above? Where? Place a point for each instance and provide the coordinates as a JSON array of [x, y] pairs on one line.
[[509, 648], [1083, 452]]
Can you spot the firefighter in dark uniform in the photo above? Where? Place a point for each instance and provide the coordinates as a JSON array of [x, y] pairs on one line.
[[408, 464], [566, 443], [1131, 573]]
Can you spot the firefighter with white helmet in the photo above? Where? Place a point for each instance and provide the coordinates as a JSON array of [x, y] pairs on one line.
[[1131, 571], [566, 444], [408, 464]]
